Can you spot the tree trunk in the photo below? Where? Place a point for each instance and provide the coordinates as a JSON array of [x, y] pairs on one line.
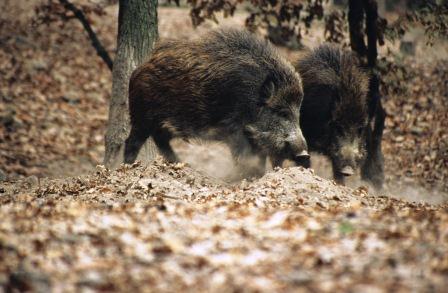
[[371, 9], [372, 169], [137, 32], [355, 24]]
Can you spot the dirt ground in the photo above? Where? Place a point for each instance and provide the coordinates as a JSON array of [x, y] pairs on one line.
[[70, 225]]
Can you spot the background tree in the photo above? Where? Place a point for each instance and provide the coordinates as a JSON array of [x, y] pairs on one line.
[[137, 32], [373, 169]]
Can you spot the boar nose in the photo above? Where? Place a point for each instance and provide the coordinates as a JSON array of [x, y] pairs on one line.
[[347, 171], [303, 155]]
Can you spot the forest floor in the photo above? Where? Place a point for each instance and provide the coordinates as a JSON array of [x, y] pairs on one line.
[[69, 225], [168, 228]]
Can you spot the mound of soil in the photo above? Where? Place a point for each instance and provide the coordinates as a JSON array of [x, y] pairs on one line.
[[169, 228]]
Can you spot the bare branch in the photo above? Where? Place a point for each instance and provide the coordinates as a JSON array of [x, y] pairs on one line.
[[100, 50]]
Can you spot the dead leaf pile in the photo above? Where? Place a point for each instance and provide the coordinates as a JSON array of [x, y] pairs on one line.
[[168, 228]]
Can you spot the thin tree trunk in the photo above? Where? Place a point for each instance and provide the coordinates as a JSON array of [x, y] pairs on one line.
[[355, 23], [137, 32], [371, 10], [372, 169]]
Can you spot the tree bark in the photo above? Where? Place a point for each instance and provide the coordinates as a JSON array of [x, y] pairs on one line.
[[371, 10], [355, 23], [372, 169], [137, 33], [375, 167]]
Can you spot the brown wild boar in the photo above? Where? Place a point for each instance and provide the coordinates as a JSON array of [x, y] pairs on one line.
[[334, 113], [228, 86]]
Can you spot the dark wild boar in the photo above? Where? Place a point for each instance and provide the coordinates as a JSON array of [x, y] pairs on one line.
[[334, 113], [228, 86]]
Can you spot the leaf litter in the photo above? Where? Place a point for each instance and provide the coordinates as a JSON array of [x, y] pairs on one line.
[[151, 227]]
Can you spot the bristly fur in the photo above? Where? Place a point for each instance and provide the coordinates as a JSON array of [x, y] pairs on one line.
[[219, 72], [335, 99], [221, 81]]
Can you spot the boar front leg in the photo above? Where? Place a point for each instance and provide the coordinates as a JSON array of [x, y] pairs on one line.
[[249, 164]]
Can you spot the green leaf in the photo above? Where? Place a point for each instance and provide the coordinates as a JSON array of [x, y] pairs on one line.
[[346, 228]]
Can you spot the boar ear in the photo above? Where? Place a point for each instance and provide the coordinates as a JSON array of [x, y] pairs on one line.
[[267, 89]]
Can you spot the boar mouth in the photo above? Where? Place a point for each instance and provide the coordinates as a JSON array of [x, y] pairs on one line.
[[303, 159], [347, 171]]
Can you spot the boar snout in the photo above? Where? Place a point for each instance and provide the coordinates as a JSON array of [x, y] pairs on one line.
[[347, 171], [298, 149], [349, 154]]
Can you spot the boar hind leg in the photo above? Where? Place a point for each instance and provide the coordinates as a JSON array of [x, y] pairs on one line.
[[162, 140], [133, 144]]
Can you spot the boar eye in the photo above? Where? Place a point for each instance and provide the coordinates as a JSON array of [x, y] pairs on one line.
[[339, 129], [360, 130], [283, 113]]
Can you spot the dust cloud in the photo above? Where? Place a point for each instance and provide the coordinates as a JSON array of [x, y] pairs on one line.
[[214, 160]]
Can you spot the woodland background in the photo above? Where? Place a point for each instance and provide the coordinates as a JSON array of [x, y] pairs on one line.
[[69, 224]]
